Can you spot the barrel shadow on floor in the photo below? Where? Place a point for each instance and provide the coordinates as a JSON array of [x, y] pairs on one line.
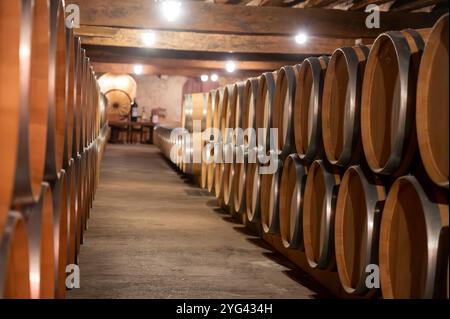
[[293, 272]]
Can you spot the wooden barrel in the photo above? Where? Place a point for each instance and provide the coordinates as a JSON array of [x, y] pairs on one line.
[[218, 173], [237, 114], [90, 106], [292, 188], [120, 90], [61, 211], [264, 113], [318, 214], [224, 123], [228, 110], [252, 189], [14, 84], [218, 105], [217, 137], [210, 107], [208, 150], [79, 176], [78, 86], [14, 258], [283, 109], [195, 110], [414, 241], [61, 45], [308, 108], [432, 104], [72, 195], [270, 195], [82, 106], [235, 137], [206, 157], [41, 244], [38, 103], [388, 101], [240, 176], [211, 167], [341, 105], [249, 110], [357, 225], [192, 153], [72, 45], [228, 173]]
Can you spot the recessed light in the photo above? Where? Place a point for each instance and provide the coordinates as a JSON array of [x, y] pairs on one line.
[[214, 77], [171, 10], [204, 77], [301, 38], [138, 69], [230, 66], [149, 38]]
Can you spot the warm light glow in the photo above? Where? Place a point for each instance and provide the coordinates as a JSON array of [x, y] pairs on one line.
[[171, 10], [301, 38], [149, 38], [214, 77], [204, 78], [138, 69], [230, 66], [35, 282]]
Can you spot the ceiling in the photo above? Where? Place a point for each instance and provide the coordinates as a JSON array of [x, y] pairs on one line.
[[350, 5], [257, 34]]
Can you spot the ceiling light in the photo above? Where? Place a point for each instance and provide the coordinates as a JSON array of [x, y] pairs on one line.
[[171, 10], [149, 38], [301, 38], [214, 77], [204, 78], [138, 69], [230, 66]]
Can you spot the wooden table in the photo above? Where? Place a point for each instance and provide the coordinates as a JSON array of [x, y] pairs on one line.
[[128, 127]]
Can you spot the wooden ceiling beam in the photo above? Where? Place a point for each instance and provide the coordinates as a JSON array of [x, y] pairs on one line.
[[231, 19], [362, 4], [318, 3], [206, 42], [150, 69], [411, 5], [206, 65]]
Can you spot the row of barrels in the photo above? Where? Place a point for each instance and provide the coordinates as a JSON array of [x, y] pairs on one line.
[[53, 137], [361, 154]]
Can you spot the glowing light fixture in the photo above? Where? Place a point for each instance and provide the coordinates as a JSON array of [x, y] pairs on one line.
[[149, 38], [301, 38], [171, 10], [230, 66], [204, 77], [138, 69], [214, 77]]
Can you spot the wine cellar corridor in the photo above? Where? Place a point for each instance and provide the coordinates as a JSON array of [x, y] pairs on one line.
[[198, 150], [153, 234]]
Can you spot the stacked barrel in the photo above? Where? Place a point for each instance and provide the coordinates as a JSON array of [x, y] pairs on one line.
[[184, 145], [360, 157], [53, 137]]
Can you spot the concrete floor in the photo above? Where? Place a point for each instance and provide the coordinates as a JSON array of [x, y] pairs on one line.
[[153, 234]]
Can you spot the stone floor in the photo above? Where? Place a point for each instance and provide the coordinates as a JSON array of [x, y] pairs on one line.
[[154, 234]]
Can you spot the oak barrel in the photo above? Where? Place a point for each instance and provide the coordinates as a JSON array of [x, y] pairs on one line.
[[319, 206], [357, 226], [388, 102], [341, 105], [432, 104]]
